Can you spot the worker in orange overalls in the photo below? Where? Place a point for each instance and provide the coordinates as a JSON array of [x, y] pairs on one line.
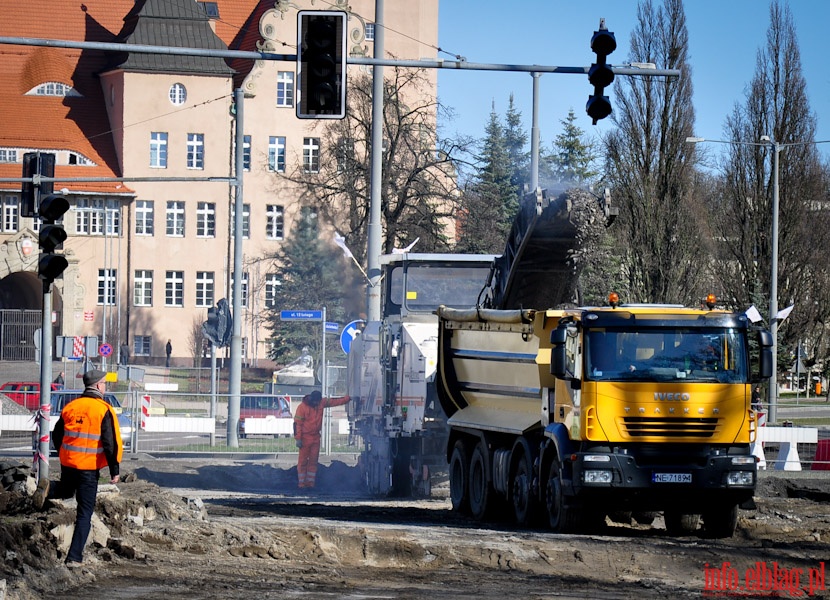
[[308, 421]]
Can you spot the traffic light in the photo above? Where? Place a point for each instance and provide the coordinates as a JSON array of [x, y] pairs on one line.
[[35, 165], [50, 266], [321, 64], [600, 74], [218, 327]]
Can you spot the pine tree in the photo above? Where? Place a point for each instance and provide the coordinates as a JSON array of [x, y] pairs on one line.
[[492, 203], [515, 144], [311, 274], [572, 158]]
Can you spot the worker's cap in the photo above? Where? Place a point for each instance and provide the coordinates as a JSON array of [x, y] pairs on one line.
[[94, 376], [315, 396]]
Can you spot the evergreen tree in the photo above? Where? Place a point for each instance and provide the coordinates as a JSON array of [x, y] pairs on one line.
[[311, 274], [571, 159], [515, 143], [489, 208]]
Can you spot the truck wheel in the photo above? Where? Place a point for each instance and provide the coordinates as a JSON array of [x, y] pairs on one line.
[[644, 518], [561, 517], [680, 523], [479, 489], [521, 492], [721, 522], [458, 478]]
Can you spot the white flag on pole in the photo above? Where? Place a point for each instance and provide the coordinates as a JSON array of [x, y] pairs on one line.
[[341, 241], [407, 249], [784, 312], [753, 314]]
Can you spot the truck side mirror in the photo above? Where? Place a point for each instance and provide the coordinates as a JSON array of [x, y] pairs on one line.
[[558, 357], [765, 354]]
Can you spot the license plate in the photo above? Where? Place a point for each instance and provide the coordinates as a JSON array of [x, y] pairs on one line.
[[671, 477]]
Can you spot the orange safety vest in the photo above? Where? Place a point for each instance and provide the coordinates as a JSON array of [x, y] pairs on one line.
[[81, 447]]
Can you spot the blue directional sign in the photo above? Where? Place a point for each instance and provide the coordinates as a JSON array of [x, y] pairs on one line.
[[350, 332], [330, 326], [301, 315]]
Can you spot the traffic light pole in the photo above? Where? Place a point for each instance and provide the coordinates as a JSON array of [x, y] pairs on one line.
[[44, 420]]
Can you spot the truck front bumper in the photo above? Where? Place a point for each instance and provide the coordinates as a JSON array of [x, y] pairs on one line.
[[677, 478]]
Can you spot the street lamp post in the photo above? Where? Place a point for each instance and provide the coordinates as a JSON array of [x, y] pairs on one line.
[[772, 393], [773, 291]]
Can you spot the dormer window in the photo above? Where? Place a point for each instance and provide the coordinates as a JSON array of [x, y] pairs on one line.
[[211, 9], [78, 159], [53, 88]]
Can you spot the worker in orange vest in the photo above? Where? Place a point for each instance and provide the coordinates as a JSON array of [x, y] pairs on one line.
[[308, 421], [87, 438]]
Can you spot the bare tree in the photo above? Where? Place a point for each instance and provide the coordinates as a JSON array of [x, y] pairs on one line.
[[650, 169], [418, 188], [196, 340], [776, 105]]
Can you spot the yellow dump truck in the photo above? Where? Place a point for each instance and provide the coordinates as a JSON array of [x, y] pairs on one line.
[[569, 416]]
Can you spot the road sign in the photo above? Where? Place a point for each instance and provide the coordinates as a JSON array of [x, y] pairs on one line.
[[335, 327], [350, 332], [301, 315], [105, 350]]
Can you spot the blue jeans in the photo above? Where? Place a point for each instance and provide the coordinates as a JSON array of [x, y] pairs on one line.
[[84, 486]]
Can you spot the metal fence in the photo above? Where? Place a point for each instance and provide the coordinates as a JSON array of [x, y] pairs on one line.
[[17, 333], [172, 422]]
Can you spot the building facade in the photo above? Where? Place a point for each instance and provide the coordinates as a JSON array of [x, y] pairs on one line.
[[148, 256]]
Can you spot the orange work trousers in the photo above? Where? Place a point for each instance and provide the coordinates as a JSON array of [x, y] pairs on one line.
[[307, 463]]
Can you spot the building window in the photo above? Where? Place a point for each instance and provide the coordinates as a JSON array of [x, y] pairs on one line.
[[73, 158], [144, 217], [158, 150], [53, 88], [285, 88], [272, 284], [311, 155], [211, 9], [174, 288], [143, 288], [246, 153], [204, 288], [8, 155], [244, 286], [276, 154], [94, 216], [177, 94], [11, 214], [246, 220], [195, 150], [275, 222], [175, 218], [106, 287], [142, 345], [206, 219], [370, 32]]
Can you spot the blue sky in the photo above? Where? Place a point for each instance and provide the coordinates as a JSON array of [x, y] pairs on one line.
[[724, 35]]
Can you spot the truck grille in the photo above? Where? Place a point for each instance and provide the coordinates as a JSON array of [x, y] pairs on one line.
[[669, 427]]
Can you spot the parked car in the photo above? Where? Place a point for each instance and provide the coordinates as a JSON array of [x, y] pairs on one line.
[[259, 406], [61, 398], [25, 393]]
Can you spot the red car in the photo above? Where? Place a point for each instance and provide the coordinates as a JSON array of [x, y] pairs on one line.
[[25, 393], [259, 406]]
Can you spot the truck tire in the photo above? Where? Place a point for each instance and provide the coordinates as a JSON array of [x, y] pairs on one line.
[[678, 523], [721, 522], [459, 468], [479, 488], [521, 491], [562, 518]]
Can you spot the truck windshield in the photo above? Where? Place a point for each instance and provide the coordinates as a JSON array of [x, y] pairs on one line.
[[667, 354], [430, 286]]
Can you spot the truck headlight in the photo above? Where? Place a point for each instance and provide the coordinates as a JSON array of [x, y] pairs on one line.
[[596, 458], [740, 478], [597, 476]]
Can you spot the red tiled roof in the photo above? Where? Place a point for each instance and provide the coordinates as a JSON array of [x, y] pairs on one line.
[[79, 124]]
